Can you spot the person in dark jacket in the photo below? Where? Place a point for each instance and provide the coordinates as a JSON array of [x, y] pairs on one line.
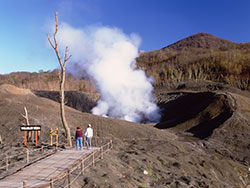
[[78, 138]]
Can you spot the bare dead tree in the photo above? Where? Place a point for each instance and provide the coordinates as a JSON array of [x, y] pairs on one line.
[[62, 80], [27, 122], [26, 117]]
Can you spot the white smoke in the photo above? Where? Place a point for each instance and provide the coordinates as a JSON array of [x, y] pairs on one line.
[[108, 55]]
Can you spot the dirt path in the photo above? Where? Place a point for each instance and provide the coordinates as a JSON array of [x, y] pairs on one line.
[[42, 171]]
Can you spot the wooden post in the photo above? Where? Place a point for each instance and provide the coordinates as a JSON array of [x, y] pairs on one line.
[[25, 184], [51, 183], [42, 148], [28, 159], [57, 140], [50, 137], [101, 151], [82, 166], [69, 182], [53, 132], [7, 162], [25, 138], [93, 159], [36, 138], [84, 141]]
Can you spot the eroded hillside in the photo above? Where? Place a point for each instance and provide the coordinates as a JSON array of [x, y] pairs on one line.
[[174, 155]]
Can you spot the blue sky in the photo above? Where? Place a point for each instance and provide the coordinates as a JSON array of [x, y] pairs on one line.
[[25, 23]]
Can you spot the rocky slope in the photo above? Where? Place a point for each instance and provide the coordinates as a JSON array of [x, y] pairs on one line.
[[202, 140]]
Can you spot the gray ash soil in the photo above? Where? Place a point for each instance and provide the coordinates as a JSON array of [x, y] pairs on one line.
[[202, 140]]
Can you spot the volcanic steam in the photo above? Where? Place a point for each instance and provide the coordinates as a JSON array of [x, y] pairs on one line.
[[108, 55]]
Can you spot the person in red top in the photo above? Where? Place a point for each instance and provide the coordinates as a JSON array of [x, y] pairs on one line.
[[78, 138]]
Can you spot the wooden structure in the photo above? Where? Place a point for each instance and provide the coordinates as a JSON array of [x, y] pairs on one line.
[[28, 128], [53, 132], [44, 173], [46, 170], [58, 170]]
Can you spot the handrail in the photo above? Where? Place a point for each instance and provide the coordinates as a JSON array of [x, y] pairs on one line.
[[82, 164], [24, 162], [88, 161]]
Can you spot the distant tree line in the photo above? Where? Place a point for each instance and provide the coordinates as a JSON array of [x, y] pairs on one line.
[[48, 80]]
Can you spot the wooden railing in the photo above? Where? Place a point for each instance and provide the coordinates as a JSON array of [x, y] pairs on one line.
[[69, 176], [66, 178], [10, 163]]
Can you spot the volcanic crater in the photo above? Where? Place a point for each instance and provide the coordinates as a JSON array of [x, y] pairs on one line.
[[198, 113]]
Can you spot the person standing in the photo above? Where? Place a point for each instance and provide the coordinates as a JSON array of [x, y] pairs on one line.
[[78, 138], [88, 134]]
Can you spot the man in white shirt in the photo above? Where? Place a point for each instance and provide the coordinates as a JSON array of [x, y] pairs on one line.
[[88, 134]]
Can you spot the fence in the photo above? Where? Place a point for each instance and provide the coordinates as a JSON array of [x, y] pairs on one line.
[[21, 158], [66, 178]]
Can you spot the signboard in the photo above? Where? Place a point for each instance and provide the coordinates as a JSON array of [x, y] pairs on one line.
[[26, 128], [54, 132], [30, 127]]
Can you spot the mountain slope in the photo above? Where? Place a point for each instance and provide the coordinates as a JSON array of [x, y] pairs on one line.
[[169, 157], [199, 57], [45, 112], [201, 40]]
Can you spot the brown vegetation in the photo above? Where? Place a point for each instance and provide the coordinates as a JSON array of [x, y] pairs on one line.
[[48, 80], [199, 57]]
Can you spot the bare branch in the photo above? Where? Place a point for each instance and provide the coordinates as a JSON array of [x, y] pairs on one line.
[[58, 57], [66, 58], [55, 45], [26, 116], [50, 41], [56, 18], [69, 57]]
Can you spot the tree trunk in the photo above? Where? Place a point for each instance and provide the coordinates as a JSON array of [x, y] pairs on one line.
[[64, 122], [27, 122], [62, 80]]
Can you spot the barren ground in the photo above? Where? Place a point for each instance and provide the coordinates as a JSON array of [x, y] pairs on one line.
[[203, 139]]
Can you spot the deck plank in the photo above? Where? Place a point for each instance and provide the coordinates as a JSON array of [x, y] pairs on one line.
[[42, 171]]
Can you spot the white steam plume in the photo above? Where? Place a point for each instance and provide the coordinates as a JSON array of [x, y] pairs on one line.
[[108, 55]]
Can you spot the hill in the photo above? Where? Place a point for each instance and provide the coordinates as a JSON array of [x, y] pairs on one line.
[[174, 152], [201, 56], [203, 41], [202, 139], [48, 80]]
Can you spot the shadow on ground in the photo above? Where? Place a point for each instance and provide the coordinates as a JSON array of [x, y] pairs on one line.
[[196, 113]]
